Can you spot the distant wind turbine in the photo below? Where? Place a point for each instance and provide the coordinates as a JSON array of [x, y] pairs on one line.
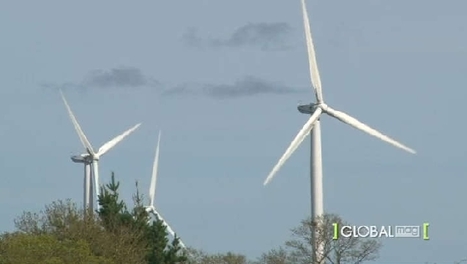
[[152, 193], [313, 125], [91, 158]]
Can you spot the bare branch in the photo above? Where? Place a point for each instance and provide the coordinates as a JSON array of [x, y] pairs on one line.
[[352, 250]]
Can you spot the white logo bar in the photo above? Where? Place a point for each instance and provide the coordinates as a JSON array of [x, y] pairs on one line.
[[407, 231]]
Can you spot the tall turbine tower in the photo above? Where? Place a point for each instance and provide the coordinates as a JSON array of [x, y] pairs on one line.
[[313, 125], [91, 158], [152, 193], [88, 186]]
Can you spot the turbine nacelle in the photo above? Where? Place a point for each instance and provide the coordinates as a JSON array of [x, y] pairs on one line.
[[307, 109], [78, 159], [82, 158]]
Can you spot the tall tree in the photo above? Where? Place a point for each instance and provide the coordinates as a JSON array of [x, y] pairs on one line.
[[112, 211], [150, 235]]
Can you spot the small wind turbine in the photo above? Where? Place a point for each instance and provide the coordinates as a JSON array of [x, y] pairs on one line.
[[152, 193], [91, 158], [313, 125]]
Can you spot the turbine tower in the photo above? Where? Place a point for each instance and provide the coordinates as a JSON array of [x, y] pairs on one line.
[[152, 192], [88, 186], [91, 158], [313, 125]]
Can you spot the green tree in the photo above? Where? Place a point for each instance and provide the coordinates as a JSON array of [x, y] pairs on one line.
[[22, 248], [151, 236]]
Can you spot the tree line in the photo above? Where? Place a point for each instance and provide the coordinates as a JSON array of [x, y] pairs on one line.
[[63, 234]]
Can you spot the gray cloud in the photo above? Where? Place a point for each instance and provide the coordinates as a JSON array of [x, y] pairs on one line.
[[268, 36], [191, 38], [247, 86], [120, 77], [127, 77]]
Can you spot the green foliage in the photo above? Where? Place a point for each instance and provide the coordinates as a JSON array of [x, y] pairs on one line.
[[47, 249], [112, 211], [149, 235], [114, 234]]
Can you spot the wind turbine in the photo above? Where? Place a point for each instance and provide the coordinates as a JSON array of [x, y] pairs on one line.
[[313, 125], [91, 158], [152, 192]]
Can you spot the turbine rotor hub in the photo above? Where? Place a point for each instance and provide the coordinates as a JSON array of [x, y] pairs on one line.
[[323, 106]]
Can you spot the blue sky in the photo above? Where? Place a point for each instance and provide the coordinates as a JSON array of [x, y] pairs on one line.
[[237, 70]]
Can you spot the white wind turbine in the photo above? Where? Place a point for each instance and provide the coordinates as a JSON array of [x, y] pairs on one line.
[[152, 193], [91, 158], [313, 125]]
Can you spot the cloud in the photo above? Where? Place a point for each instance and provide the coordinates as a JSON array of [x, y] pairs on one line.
[[191, 38], [247, 86], [120, 77], [127, 77], [268, 36]]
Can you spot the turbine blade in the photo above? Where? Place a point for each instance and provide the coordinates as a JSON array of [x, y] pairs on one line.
[[181, 243], [81, 135], [169, 229], [295, 143], [159, 216], [314, 72], [152, 187], [365, 128], [107, 146]]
